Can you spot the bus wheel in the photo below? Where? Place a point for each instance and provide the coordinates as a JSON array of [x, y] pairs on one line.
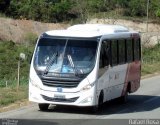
[[96, 108], [43, 107], [100, 101]]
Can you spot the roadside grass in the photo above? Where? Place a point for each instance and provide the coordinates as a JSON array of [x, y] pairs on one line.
[[150, 68], [151, 60], [10, 94]]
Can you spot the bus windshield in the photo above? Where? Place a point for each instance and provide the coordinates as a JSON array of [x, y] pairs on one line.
[[65, 55]]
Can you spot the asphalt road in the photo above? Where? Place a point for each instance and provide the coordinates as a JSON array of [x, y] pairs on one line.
[[143, 104]]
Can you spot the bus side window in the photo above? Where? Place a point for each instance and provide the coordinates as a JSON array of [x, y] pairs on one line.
[[114, 49], [136, 49], [104, 55], [107, 49], [101, 61], [121, 51], [129, 50]]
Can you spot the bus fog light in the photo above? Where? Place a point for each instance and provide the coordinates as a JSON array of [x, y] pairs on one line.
[[86, 100]]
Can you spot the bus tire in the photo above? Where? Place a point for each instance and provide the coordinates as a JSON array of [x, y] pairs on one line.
[[100, 100], [43, 107], [96, 108]]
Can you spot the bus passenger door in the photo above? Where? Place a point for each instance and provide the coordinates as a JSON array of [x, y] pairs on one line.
[[103, 73]]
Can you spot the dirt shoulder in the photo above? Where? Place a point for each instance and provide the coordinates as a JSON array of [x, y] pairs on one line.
[[15, 105]]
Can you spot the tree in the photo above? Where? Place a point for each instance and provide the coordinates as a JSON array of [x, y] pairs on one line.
[[137, 7], [4, 4], [62, 10]]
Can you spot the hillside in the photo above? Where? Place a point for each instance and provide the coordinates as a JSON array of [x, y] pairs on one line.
[[132, 25], [23, 30], [149, 39], [19, 30]]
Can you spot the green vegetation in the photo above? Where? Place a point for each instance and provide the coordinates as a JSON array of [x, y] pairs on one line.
[[9, 56], [151, 60], [67, 10], [10, 95]]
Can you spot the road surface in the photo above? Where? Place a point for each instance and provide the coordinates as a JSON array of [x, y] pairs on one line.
[[143, 104]]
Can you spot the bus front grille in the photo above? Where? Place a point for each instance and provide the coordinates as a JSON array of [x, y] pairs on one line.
[[64, 83], [67, 100]]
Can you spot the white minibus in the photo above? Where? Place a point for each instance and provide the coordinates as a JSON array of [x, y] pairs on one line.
[[85, 65]]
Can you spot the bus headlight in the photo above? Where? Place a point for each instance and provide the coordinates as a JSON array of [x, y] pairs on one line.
[[87, 87], [34, 83]]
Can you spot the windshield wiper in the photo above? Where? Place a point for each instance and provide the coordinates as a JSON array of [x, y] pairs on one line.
[[51, 61], [72, 64]]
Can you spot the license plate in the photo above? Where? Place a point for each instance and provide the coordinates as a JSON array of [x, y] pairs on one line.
[[59, 96]]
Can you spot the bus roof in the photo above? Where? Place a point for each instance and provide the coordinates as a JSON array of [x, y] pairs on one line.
[[89, 30]]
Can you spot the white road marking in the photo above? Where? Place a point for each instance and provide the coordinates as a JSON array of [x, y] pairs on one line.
[[154, 98]]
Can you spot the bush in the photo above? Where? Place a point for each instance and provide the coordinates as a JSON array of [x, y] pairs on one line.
[[158, 13], [30, 39], [64, 10], [9, 56]]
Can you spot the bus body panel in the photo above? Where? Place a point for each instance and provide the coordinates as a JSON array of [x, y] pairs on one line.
[[117, 80], [132, 77]]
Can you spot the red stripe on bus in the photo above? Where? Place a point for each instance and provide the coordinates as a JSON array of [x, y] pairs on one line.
[[133, 76]]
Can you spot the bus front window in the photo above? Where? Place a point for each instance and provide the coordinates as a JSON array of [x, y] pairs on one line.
[[65, 56], [47, 49], [82, 54]]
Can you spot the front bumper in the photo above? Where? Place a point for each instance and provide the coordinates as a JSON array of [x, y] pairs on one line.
[[80, 98]]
